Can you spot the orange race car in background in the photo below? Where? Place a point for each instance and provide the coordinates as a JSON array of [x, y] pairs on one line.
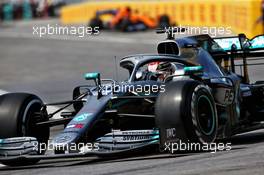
[[126, 20]]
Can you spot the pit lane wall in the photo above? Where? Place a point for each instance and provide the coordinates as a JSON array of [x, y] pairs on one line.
[[240, 15]]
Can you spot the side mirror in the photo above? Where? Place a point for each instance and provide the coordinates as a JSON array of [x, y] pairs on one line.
[[91, 76], [96, 77]]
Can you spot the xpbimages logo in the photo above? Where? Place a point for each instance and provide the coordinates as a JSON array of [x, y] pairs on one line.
[[196, 147], [75, 147], [79, 31], [146, 89], [191, 30]]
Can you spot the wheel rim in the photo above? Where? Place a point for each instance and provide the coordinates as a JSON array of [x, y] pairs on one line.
[[205, 115], [30, 119], [28, 115]]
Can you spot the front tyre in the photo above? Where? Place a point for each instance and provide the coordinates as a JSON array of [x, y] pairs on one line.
[[19, 114]]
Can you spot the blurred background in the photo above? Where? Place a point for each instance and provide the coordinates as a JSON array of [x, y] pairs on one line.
[[30, 9], [241, 15]]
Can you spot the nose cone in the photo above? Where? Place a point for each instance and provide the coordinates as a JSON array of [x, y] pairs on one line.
[[63, 140]]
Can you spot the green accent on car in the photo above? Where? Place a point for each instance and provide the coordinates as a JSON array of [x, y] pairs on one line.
[[156, 132], [155, 137], [154, 141], [82, 117], [90, 76], [193, 69]]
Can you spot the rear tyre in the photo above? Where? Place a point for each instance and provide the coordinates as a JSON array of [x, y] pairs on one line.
[[189, 108], [19, 113]]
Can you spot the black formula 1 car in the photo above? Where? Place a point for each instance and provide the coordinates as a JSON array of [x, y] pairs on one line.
[[189, 92]]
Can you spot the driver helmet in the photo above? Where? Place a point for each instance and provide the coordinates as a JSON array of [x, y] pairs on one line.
[[162, 69]]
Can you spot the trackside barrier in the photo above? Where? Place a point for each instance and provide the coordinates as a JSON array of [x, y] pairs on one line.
[[240, 15]]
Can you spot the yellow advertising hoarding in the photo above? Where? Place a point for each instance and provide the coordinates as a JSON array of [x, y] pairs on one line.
[[240, 15]]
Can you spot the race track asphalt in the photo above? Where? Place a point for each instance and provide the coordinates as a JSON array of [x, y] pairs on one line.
[[52, 66]]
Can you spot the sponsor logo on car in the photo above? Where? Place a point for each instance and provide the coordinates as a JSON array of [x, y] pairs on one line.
[[136, 138], [139, 132], [78, 126], [82, 117], [171, 133], [70, 126], [63, 139]]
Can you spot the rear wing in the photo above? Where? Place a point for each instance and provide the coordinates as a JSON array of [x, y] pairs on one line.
[[253, 47], [251, 51]]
